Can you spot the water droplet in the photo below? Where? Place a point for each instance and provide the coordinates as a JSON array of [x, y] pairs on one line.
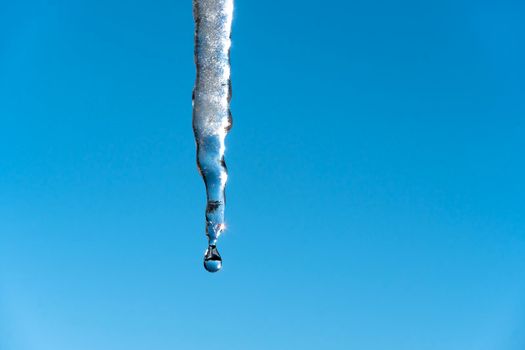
[[212, 259]]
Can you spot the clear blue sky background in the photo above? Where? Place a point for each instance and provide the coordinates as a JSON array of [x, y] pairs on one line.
[[376, 198]]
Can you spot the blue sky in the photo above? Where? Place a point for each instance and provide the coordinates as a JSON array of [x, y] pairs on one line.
[[376, 192]]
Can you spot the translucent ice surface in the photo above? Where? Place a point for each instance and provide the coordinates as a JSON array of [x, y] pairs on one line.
[[211, 111]]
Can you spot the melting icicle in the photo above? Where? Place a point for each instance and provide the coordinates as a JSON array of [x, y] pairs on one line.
[[211, 111]]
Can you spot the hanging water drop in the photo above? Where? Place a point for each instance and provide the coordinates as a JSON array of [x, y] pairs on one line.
[[212, 259]]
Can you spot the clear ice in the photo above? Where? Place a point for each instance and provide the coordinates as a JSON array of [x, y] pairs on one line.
[[211, 112]]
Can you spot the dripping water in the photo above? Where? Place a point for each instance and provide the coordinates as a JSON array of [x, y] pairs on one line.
[[212, 259], [211, 112]]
